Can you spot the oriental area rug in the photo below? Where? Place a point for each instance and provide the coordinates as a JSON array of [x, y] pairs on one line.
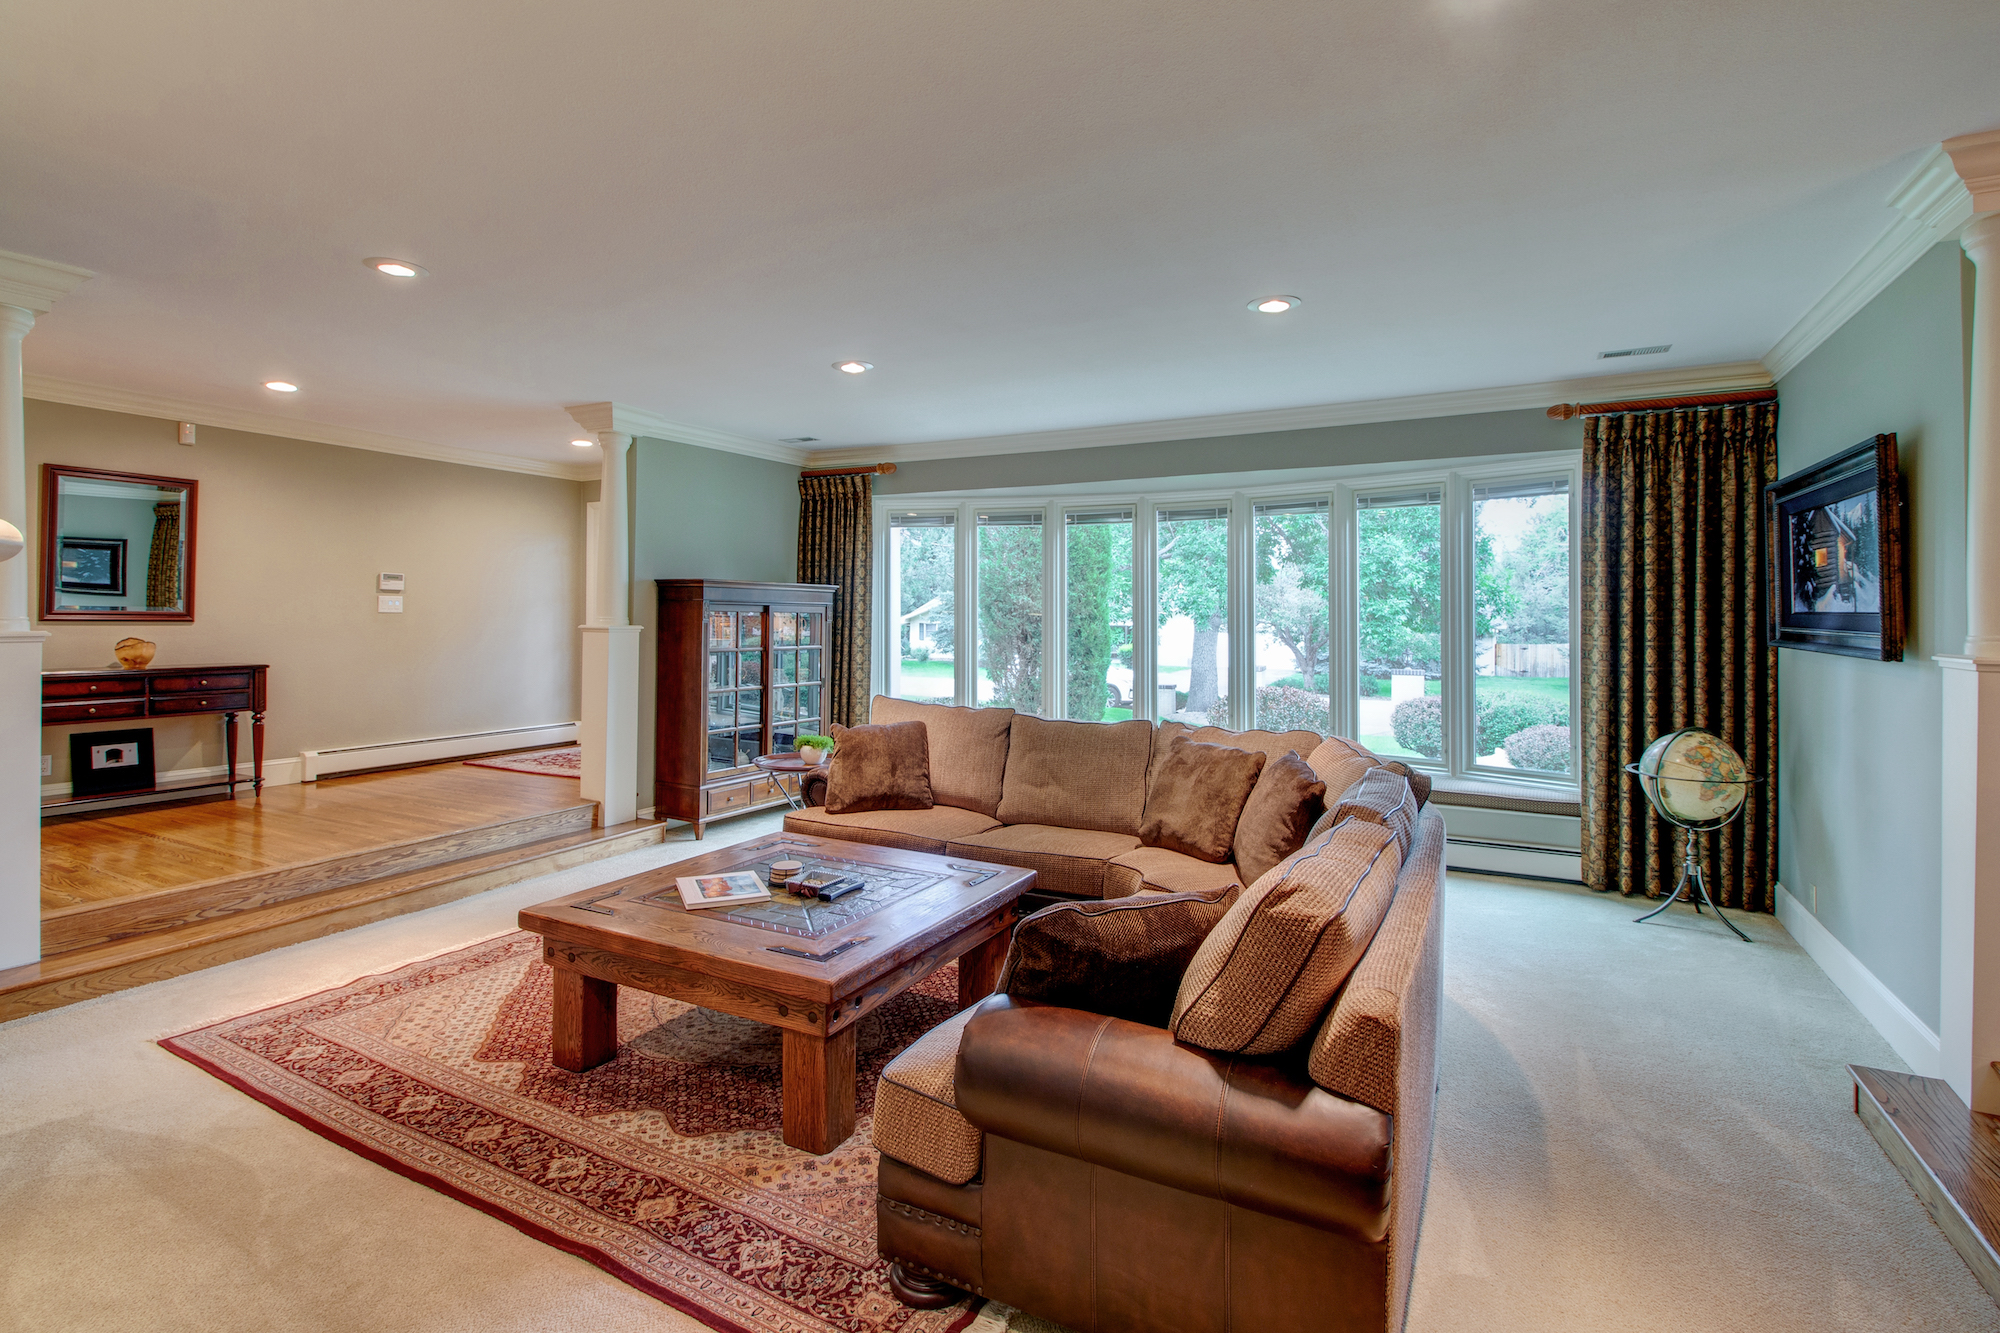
[[664, 1167], [566, 762]]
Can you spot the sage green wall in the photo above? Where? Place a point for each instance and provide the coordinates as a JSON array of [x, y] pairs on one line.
[[1859, 741], [290, 536], [1526, 431], [702, 514]]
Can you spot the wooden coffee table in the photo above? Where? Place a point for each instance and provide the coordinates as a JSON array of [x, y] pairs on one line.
[[812, 970]]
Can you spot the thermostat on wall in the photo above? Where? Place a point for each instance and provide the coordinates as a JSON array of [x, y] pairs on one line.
[[388, 583], [389, 603]]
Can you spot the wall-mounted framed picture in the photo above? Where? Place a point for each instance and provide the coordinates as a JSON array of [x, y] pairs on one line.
[[91, 564], [1835, 555]]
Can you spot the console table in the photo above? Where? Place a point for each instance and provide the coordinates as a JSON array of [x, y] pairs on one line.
[[70, 697]]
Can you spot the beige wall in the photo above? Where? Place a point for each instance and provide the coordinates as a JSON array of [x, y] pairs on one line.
[[291, 537]]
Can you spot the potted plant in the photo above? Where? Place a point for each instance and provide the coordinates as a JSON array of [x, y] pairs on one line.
[[814, 749]]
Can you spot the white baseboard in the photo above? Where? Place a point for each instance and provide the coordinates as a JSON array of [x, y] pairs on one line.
[[1496, 858], [277, 773], [1902, 1029], [316, 764]]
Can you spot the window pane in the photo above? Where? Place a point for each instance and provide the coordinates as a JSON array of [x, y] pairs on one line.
[[721, 750], [922, 578], [1521, 633], [721, 670], [750, 629], [1294, 627], [1399, 603], [750, 669], [722, 628], [1192, 639], [721, 711], [809, 702], [1010, 611], [1098, 579], [808, 665], [784, 628], [786, 704]]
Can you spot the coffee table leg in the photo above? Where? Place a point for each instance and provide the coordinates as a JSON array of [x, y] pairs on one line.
[[979, 969], [819, 1089], [586, 1020]]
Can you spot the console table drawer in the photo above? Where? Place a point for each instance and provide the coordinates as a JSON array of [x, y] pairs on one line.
[[201, 703], [57, 715], [109, 686], [197, 684]]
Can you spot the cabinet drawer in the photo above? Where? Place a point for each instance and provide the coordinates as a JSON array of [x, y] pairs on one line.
[[56, 715], [233, 680], [97, 688], [736, 796], [201, 703]]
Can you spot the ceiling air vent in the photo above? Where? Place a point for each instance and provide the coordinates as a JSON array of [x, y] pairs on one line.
[[1636, 351], [801, 439]]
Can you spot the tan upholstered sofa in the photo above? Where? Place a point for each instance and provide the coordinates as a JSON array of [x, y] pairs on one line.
[[1063, 799]]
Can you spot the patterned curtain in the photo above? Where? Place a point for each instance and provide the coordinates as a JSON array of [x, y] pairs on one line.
[[836, 545], [163, 569], [1673, 636]]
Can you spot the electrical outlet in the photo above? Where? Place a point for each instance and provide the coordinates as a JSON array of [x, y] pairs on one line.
[[389, 604], [48, 765]]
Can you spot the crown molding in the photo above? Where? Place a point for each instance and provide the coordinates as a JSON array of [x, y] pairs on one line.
[[1463, 402], [36, 284], [77, 394], [1976, 159], [1932, 204], [637, 421]]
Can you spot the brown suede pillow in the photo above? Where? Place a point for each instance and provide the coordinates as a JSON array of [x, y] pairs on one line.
[[881, 767], [1196, 798], [1281, 810], [1121, 958]]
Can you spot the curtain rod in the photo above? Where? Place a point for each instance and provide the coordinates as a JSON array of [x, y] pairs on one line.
[[879, 469], [1564, 411]]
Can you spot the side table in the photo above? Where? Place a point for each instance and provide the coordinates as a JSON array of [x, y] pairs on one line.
[[790, 763]]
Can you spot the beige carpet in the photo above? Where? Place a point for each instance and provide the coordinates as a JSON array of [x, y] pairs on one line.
[[1641, 1129]]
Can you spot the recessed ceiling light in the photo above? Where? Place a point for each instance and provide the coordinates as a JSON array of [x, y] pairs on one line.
[[281, 386], [396, 268], [583, 444], [1274, 305], [854, 367]]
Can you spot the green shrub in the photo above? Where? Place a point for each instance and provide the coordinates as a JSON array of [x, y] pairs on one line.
[[1545, 747], [921, 653], [1419, 725], [1281, 708], [1500, 715]]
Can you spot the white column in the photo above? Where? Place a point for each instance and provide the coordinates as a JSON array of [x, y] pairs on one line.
[[1969, 960], [610, 652]]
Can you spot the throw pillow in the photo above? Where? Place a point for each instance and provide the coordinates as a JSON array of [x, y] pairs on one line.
[[1420, 781], [1282, 808], [1340, 764], [885, 766], [1382, 796], [1194, 804], [1121, 958], [1267, 972]]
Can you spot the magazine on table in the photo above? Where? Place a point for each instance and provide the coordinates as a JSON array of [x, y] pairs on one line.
[[731, 890]]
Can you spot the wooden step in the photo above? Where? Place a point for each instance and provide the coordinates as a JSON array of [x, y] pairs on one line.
[[88, 925], [81, 974], [1949, 1154]]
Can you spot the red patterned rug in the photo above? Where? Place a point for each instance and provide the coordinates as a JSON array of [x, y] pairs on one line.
[[564, 763], [663, 1167]]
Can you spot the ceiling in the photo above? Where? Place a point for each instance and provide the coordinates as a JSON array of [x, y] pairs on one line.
[[1030, 216]]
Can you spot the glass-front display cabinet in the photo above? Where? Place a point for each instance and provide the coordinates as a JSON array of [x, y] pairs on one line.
[[741, 673]]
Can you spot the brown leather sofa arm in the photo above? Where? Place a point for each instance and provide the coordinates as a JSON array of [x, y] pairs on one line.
[[812, 789], [1254, 1133]]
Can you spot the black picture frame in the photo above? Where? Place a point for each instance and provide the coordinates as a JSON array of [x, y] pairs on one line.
[[101, 561], [126, 772], [1834, 573]]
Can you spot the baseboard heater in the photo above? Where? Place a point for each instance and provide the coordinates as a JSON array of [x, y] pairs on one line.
[[1506, 858], [316, 764]]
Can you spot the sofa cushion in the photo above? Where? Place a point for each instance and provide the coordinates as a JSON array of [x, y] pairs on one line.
[[1082, 775], [968, 749], [883, 766], [1270, 744], [1382, 796], [1067, 861], [1267, 972], [1122, 958], [1157, 870], [1287, 801], [1196, 797], [1339, 762], [1420, 781], [916, 1108], [912, 830]]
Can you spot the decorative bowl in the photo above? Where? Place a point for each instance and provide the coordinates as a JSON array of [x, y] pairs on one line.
[[134, 653]]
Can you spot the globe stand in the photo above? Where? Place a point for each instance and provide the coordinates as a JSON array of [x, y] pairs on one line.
[[1691, 873]]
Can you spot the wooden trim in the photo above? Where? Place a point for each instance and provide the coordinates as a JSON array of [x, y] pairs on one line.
[[51, 473], [1565, 411], [877, 469]]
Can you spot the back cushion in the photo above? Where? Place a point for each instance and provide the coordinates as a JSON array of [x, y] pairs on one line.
[[968, 749], [1270, 744], [879, 767], [1086, 775], [1266, 974], [1340, 764], [1195, 798], [1382, 796]]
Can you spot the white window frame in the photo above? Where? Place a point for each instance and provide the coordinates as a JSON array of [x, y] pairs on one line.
[[1240, 493]]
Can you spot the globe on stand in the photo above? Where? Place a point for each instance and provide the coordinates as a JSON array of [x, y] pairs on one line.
[[1695, 781]]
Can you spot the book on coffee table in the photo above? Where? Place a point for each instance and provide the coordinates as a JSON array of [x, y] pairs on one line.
[[729, 890]]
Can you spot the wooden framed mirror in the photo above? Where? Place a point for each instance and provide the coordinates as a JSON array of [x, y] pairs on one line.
[[116, 545]]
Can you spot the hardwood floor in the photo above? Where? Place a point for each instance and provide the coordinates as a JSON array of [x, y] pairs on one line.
[[1949, 1155], [153, 849]]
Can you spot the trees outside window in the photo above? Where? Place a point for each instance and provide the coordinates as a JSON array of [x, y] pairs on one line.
[[922, 581], [1192, 631], [1521, 659], [1097, 684], [1401, 616], [1294, 631], [1010, 611]]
